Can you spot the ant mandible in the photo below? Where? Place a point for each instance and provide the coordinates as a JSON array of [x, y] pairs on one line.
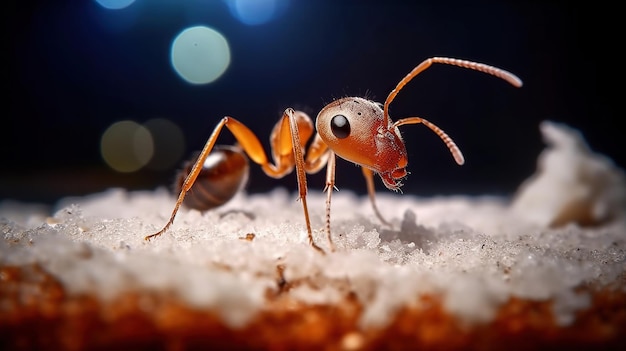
[[353, 128]]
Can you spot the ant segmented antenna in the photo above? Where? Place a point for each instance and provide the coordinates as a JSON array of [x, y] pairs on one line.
[[481, 67], [454, 150]]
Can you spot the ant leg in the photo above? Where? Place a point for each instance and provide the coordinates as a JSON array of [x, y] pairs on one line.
[[191, 178], [330, 186], [316, 155], [300, 171], [371, 191]]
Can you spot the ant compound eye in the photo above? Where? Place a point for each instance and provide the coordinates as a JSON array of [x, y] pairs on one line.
[[340, 126]]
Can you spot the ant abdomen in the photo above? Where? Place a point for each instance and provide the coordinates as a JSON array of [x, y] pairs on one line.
[[223, 174]]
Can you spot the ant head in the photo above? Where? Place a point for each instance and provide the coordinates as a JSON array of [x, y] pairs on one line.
[[356, 130], [361, 131]]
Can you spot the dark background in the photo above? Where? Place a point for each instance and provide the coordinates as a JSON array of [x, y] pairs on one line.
[[74, 68]]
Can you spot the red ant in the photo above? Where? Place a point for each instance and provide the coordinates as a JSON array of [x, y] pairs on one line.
[[353, 128]]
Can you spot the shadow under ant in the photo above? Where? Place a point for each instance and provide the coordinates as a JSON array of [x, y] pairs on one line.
[[251, 216], [409, 232]]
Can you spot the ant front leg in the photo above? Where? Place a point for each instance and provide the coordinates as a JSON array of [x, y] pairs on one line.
[[317, 156], [330, 186]]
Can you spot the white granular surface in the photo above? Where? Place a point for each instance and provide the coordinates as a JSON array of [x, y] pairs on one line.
[[473, 252]]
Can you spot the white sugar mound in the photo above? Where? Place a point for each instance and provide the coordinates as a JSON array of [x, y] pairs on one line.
[[473, 252], [572, 183]]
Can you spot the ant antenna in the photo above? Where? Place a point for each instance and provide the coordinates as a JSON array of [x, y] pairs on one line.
[[481, 67]]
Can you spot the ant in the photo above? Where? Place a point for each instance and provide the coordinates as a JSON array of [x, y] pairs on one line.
[[353, 128]]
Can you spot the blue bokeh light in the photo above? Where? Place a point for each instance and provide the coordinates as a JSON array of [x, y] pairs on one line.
[[115, 4], [200, 54], [256, 12]]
